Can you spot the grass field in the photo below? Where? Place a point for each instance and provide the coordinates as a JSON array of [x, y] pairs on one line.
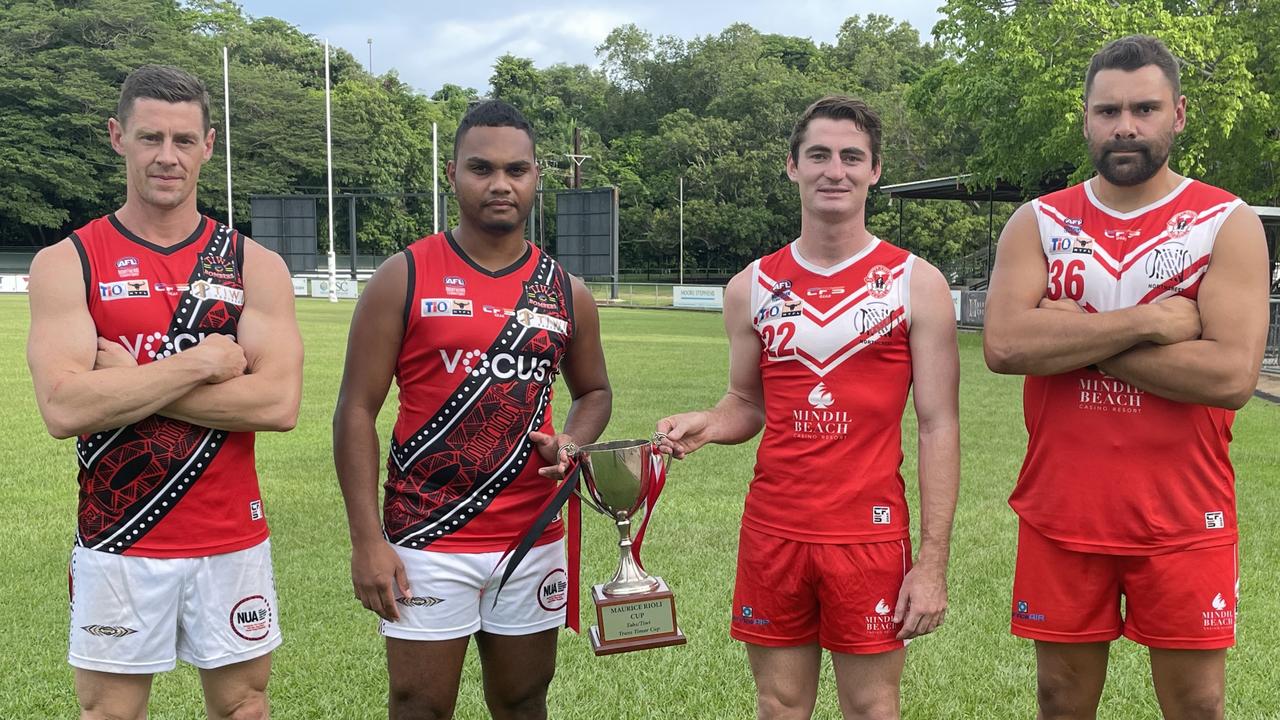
[[332, 663]]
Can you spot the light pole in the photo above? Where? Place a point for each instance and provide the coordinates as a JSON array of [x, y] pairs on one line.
[[681, 229], [370, 41]]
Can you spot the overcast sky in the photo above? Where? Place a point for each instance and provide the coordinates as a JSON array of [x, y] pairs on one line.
[[431, 44]]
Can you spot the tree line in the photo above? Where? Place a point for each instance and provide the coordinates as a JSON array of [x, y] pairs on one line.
[[995, 92]]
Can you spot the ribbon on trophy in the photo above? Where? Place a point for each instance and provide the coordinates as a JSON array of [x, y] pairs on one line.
[[659, 467], [520, 547]]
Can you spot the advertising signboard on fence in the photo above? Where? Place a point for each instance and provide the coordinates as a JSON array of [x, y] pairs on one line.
[[955, 301], [13, 283], [701, 297], [347, 288], [300, 286]]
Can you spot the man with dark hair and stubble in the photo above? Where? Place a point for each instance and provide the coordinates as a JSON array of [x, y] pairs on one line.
[[474, 324], [827, 337], [1135, 303], [163, 340]]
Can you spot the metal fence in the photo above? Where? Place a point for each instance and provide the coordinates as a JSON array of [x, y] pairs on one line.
[[1271, 355]]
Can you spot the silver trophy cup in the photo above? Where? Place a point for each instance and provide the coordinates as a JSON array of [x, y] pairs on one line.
[[616, 477]]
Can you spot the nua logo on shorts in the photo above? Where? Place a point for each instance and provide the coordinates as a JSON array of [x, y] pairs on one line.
[[251, 618], [553, 591]]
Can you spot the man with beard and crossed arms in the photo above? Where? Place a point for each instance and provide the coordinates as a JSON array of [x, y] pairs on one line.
[[826, 338], [1135, 303], [164, 340], [474, 324]]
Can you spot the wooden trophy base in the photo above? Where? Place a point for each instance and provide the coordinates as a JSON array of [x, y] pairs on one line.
[[634, 622]]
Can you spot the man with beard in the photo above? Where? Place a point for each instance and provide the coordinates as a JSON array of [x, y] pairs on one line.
[[1135, 305], [474, 324]]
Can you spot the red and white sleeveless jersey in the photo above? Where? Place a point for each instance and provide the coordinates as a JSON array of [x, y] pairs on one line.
[[480, 353], [1111, 468], [836, 368], [163, 487]]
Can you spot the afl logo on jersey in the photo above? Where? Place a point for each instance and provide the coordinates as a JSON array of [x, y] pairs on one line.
[[879, 281], [127, 267], [781, 290], [455, 286], [1180, 224]]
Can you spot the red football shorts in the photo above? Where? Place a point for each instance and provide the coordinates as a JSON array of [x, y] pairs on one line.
[[1182, 600], [790, 593]]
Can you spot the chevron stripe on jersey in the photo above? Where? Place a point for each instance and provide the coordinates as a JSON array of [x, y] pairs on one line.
[[163, 487], [1111, 468], [836, 367], [462, 473]]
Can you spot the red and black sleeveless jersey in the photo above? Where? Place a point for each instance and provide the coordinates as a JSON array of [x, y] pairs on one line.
[[480, 353], [163, 487]]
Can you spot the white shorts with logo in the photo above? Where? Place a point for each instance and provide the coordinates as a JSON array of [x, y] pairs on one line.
[[138, 614], [451, 594]]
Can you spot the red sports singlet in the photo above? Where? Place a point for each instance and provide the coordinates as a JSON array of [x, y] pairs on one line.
[[162, 487], [836, 368], [1111, 468], [480, 353]]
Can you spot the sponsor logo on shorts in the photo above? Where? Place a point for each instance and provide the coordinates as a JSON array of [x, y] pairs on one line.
[[255, 510], [553, 591], [206, 290], [123, 290], [127, 266], [251, 618], [454, 286], [746, 615], [1218, 616], [419, 601], [1214, 520], [1023, 612], [538, 321], [880, 622], [880, 515], [111, 631]]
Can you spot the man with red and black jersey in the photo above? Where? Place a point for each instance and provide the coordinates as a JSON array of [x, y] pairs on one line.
[[826, 337], [163, 340], [474, 324], [1135, 303]]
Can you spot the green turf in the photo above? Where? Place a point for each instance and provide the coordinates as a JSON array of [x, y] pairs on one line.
[[332, 665]]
